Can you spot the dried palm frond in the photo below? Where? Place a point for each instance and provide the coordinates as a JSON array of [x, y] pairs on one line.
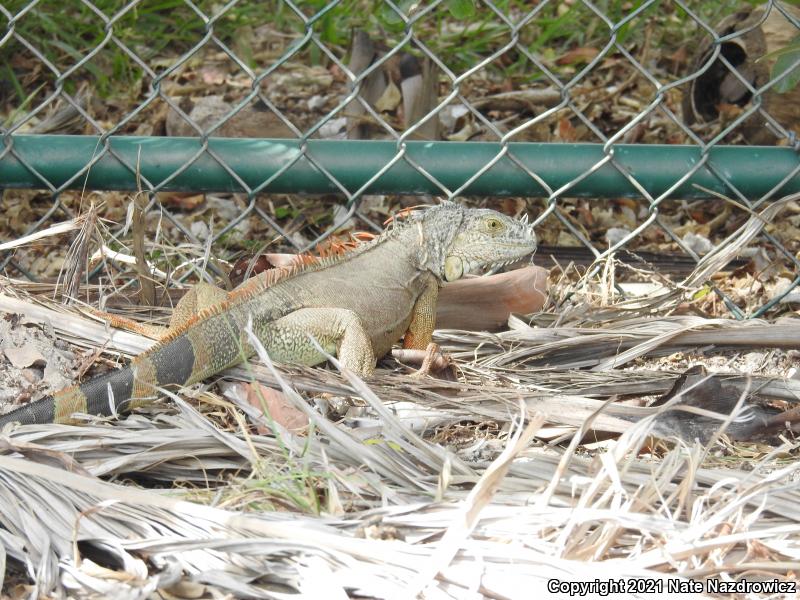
[[613, 344], [618, 517], [383, 504]]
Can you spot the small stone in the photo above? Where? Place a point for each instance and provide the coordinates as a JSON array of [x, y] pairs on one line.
[[614, 235], [31, 375], [699, 244], [753, 362], [200, 230], [316, 102], [335, 129]]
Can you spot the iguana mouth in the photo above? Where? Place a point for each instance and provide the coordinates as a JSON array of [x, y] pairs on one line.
[[517, 253], [478, 268]]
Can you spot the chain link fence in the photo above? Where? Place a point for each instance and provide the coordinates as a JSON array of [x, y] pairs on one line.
[[612, 123]]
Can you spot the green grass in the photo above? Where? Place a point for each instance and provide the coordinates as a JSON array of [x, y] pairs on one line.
[[460, 32], [163, 29]]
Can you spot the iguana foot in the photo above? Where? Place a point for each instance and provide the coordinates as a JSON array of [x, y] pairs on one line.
[[433, 362], [119, 322], [198, 298]]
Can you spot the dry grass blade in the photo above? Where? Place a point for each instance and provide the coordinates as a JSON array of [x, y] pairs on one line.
[[195, 536], [730, 247], [76, 329], [202, 544], [479, 497], [74, 269], [57, 229]]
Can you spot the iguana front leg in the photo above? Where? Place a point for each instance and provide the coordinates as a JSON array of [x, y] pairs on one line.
[[420, 331], [339, 331], [423, 318]]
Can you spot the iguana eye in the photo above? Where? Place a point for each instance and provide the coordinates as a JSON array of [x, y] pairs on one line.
[[494, 225]]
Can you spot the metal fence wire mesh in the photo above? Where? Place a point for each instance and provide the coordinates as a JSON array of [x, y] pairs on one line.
[[617, 125]]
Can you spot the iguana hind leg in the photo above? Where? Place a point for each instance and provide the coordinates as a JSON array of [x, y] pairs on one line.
[[154, 332], [339, 331], [199, 297]]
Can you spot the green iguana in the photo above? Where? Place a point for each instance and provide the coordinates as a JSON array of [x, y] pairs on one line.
[[355, 306]]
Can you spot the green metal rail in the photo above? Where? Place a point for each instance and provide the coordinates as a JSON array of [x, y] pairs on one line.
[[162, 162]]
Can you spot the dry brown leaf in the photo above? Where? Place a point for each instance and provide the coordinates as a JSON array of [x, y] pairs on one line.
[[181, 200], [212, 76], [729, 112], [279, 407], [566, 131], [24, 356], [582, 54]]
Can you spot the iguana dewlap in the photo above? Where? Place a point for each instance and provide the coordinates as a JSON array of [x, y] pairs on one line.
[[355, 306]]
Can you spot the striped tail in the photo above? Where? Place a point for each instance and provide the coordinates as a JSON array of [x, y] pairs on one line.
[[198, 350], [90, 398]]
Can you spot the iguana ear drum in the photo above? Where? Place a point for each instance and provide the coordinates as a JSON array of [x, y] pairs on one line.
[[453, 268]]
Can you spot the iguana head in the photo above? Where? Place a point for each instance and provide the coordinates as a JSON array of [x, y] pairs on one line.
[[456, 240]]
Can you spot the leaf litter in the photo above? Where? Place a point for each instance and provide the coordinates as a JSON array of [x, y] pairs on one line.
[[193, 498]]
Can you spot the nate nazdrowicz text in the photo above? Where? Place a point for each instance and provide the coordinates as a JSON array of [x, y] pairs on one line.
[[670, 585]]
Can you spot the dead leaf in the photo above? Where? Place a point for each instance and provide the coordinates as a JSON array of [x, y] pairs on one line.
[[45, 456], [212, 76], [566, 131], [279, 407], [390, 99], [583, 54], [512, 206], [26, 356], [729, 112], [680, 57], [629, 202], [758, 551], [181, 200], [585, 212]]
